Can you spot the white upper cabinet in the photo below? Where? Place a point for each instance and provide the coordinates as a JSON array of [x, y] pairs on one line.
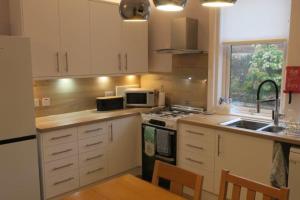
[[59, 35], [39, 20], [117, 46], [80, 38], [135, 46], [105, 38], [75, 37]]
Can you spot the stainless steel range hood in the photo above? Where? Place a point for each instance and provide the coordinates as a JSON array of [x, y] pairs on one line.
[[184, 38]]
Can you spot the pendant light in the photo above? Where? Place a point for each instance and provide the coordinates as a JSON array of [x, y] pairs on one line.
[[218, 3], [170, 5], [134, 10]]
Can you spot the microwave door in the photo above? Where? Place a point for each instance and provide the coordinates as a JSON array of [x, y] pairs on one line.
[[136, 99]]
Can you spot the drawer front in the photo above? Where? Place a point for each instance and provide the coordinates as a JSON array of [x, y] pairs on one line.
[[60, 184], [198, 160], [208, 183], [92, 157], [59, 137], [58, 152], [92, 130], [60, 167], [92, 173], [92, 143], [200, 146]]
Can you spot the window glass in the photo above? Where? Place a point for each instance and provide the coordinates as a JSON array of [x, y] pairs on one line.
[[250, 64]]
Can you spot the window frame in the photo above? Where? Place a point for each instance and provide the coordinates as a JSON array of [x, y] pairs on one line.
[[226, 62]]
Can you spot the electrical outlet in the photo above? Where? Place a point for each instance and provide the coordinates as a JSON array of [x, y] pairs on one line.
[[46, 101], [36, 102]]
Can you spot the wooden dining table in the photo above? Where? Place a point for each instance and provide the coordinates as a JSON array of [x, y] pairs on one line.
[[127, 187]]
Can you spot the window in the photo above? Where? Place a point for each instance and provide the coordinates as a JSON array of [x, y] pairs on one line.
[[247, 65]]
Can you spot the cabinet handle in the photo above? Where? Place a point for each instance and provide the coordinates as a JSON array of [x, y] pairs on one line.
[[93, 144], [94, 157], [93, 171], [195, 133], [195, 147], [111, 133], [120, 63], [67, 61], [195, 161], [93, 130], [61, 137], [57, 63], [219, 141], [126, 61], [63, 181], [61, 152], [63, 166]]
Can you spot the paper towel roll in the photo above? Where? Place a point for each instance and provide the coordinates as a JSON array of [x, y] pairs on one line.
[[161, 99]]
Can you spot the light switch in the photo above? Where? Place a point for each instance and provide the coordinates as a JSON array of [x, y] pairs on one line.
[[109, 93], [46, 101]]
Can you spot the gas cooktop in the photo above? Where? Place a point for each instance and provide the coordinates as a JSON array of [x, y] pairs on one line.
[[168, 116]]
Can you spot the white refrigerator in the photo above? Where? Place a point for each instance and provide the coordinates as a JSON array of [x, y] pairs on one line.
[[19, 166]]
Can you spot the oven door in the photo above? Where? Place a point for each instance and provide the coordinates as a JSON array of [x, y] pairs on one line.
[[162, 147]]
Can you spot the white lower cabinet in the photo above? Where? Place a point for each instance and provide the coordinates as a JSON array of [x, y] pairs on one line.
[[79, 156], [207, 151]]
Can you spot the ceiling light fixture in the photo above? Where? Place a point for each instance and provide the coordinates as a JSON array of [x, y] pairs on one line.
[[170, 5], [134, 10], [218, 3]]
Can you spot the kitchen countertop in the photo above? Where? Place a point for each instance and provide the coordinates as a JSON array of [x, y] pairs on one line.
[[213, 121], [68, 120]]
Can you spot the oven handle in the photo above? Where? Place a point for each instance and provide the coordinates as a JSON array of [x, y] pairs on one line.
[[165, 158], [172, 131]]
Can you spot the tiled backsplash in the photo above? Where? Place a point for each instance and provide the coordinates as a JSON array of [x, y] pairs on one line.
[[186, 85], [70, 95]]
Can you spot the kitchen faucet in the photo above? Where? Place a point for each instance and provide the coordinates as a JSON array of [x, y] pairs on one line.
[[275, 113]]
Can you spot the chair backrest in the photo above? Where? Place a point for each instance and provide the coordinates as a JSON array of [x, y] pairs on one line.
[[178, 178], [268, 192]]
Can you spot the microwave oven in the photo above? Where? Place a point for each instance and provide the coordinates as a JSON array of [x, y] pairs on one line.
[[139, 97]]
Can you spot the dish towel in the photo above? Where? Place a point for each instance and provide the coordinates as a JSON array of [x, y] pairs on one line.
[[149, 136], [163, 142], [279, 171]]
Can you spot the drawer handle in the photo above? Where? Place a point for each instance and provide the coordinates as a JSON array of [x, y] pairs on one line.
[[93, 130], [93, 144], [61, 137], [94, 157], [63, 181], [61, 152], [195, 161], [94, 171], [63, 166], [195, 147], [195, 133]]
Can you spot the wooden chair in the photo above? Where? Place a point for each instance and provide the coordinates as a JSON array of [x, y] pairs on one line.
[[178, 178], [268, 192]]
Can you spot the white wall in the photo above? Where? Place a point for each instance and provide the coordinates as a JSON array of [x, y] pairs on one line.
[[256, 19], [293, 111]]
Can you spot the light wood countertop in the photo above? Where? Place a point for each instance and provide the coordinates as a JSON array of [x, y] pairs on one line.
[[68, 120], [214, 121]]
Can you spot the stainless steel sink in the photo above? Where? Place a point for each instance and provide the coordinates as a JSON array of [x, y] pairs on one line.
[[246, 124], [273, 129], [253, 125]]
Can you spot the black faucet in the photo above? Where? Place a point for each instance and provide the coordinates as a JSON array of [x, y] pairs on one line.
[[275, 113]]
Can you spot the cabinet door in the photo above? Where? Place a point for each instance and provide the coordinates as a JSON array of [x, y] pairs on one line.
[[246, 156], [74, 24], [105, 38], [135, 46], [41, 24], [123, 145]]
